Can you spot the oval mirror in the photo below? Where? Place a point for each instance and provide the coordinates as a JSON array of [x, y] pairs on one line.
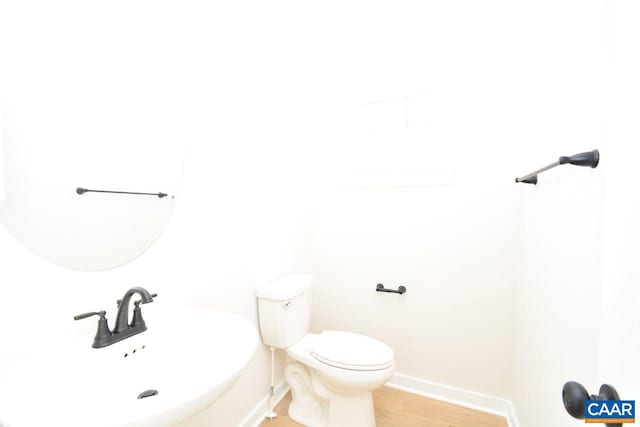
[[52, 158]]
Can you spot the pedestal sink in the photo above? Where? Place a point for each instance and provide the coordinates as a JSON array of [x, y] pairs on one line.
[[182, 363]]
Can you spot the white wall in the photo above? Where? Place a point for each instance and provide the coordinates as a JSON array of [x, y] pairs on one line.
[[577, 296], [620, 328], [451, 246], [509, 286], [558, 296], [449, 242], [503, 281]]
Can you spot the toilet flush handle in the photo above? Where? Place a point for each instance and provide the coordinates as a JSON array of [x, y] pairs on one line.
[[288, 304]]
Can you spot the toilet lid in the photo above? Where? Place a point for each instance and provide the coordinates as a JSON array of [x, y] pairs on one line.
[[348, 350]]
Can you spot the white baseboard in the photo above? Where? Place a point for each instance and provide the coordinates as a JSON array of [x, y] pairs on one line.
[[457, 396], [259, 413]]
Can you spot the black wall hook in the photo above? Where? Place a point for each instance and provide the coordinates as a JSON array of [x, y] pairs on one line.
[[380, 288]]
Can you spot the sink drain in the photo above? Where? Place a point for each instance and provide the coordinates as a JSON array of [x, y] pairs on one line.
[[147, 393]]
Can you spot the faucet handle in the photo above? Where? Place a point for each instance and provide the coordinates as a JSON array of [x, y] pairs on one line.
[[138, 321], [103, 334], [102, 315]]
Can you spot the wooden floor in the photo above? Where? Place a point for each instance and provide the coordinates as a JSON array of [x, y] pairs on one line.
[[395, 408]]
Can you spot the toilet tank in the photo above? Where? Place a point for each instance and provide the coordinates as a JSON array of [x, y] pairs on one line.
[[284, 309]]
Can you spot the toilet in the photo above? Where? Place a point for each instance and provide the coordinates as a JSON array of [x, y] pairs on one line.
[[331, 374]]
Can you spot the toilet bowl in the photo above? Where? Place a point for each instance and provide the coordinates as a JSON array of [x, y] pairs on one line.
[[331, 374], [332, 378]]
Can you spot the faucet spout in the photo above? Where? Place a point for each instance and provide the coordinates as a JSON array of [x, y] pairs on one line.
[[122, 319]]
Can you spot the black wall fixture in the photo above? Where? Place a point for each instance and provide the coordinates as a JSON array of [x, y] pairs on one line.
[[82, 191], [401, 289], [574, 396], [588, 158]]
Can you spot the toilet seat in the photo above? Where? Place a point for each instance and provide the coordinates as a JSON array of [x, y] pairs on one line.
[[348, 350]]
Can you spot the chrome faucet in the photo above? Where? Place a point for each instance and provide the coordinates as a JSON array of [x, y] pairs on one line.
[[105, 337]]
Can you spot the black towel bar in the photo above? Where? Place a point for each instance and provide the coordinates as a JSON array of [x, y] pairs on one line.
[[589, 158]]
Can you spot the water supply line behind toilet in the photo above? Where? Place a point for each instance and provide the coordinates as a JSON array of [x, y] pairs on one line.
[[272, 391]]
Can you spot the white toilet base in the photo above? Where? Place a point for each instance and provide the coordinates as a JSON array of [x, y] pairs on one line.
[[352, 410], [313, 405]]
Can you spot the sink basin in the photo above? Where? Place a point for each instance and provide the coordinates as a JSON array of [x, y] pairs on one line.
[[190, 362]]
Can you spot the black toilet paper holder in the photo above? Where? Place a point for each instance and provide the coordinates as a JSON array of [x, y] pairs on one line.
[[401, 289]]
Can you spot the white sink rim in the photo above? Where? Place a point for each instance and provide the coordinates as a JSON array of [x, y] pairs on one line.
[[227, 344]]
